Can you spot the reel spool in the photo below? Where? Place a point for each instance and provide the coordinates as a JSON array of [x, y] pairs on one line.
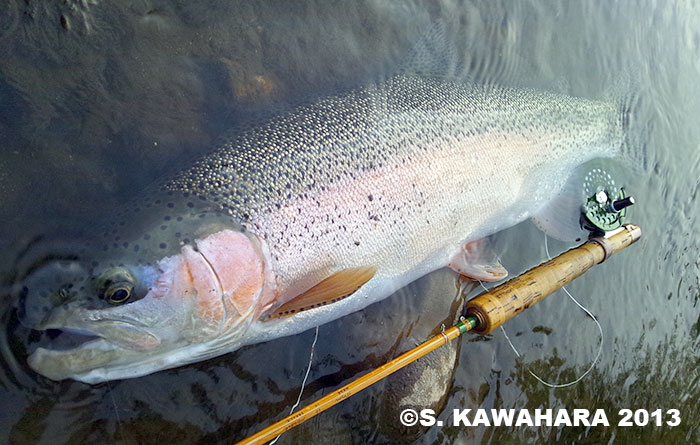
[[605, 206]]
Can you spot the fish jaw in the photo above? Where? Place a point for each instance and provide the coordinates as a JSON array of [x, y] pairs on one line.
[[126, 334], [202, 301], [100, 361], [59, 365], [126, 331]]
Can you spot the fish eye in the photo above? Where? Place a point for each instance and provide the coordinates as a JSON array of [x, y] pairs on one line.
[[118, 294], [117, 285]]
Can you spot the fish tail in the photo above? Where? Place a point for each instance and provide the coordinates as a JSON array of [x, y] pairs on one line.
[[635, 131]]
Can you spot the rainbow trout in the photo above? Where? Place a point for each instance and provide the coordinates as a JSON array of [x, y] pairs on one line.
[[308, 217]]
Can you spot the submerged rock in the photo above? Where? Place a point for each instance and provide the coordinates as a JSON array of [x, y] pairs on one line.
[[425, 383]]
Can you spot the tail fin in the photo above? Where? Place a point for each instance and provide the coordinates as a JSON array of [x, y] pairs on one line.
[[633, 151]]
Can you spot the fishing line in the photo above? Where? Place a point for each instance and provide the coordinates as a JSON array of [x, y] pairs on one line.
[[116, 410], [303, 383], [600, 345]]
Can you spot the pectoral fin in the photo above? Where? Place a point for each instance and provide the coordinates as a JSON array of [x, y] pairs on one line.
[[475, 260], [334, 288]]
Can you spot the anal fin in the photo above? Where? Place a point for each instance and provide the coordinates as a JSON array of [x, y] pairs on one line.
[[332, 289], [475, 260]]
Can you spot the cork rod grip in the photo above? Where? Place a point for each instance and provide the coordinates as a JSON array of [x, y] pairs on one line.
[[507, 300]]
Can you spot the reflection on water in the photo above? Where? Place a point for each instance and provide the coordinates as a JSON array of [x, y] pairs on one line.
[[98, 100]]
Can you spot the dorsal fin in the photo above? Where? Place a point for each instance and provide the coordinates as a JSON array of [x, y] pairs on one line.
[[432, 55], [332, 289]]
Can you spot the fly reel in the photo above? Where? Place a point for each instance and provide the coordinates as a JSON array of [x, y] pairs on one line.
[[605, 207]]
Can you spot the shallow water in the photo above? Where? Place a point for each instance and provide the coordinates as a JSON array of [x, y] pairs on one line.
[[98, 100]]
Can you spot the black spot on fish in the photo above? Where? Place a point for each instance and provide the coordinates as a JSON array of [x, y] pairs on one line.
[[171, 205], [162, 245]]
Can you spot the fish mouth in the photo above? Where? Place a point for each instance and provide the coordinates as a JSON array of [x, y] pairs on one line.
[[78, 341], [57, 364], [66, 339], [77, 354], [122, 330]]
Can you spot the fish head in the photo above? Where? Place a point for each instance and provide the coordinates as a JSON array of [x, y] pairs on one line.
[[161, 286]]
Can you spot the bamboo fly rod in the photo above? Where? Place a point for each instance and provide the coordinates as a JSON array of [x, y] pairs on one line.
[[483, 314]]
